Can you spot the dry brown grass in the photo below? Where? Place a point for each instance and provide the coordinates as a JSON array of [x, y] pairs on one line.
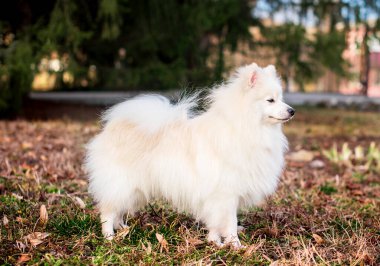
[[319, 216]]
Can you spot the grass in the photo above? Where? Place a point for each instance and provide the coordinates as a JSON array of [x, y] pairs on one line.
[[319, 216]]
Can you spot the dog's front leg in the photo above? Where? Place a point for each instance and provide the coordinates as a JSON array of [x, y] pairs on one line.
[[220, 216], [230, 230]]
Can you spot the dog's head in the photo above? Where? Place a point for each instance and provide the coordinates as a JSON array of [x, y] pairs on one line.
[[263, 91]]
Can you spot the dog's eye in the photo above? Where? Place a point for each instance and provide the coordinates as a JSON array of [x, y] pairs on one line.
[[270, 100]]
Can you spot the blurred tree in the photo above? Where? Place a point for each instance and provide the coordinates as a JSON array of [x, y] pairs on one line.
[[109, 17], [290, 45], [301, 55], [164, 44], [46, 28], [171, 43], [332, 20], [15, 76], [367, 15]]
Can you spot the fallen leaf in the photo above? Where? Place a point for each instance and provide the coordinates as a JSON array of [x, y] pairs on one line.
[[194, 241], [357, 192], [80, 202], [24, 258], [163, 242], [21, 220], [122, 233], [43, 215], [295, 243], [317, 164], [296, 164], [35, 241], [353, 186], [36, 238], [301, 156], [318, 239], [5, 221], [147, 249], [26, 145]]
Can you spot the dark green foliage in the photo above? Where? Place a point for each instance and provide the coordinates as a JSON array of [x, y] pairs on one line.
[[16, 76], [291, 48], [77, 224], [171, 43], [133, 44], [328, 189], [328, 50], [109, 16]]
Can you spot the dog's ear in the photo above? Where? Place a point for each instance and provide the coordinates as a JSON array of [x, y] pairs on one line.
[[253, 70], [253, 79], [271, 69]]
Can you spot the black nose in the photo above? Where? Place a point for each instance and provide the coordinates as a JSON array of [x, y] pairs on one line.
[[291, 111]]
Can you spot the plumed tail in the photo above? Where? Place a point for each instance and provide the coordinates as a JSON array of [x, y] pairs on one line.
[[150, 111]]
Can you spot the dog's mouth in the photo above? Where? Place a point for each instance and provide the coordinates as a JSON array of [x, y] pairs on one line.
[[281, 119]]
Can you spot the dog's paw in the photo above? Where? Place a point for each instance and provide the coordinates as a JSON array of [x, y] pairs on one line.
[[215, 239], [109, 237], [233, 242]]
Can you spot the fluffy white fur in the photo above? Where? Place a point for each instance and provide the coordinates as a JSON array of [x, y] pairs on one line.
[[210, 165]]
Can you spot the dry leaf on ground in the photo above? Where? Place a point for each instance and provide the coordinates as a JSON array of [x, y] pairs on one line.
[[80, 202], [318, 239], [24, 258], [301, 156], [163, 242], [193, 241], [5, 221], [43, 215], [148, 248], [317, 164], [122, 233], [36, 238]]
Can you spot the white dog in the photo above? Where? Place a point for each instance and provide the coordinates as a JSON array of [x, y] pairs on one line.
[[210, 164]]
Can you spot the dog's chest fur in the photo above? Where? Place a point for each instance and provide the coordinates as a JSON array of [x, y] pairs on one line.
[[265, 161]]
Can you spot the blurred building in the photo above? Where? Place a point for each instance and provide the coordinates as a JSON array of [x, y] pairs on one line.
[[353, 56], [329, 82]]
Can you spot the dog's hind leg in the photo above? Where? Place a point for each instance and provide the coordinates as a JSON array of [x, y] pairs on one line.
[[107, 219], [135, 202]]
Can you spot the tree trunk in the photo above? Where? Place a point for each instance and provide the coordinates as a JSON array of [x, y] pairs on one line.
[[220, 64], [364, 63]]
